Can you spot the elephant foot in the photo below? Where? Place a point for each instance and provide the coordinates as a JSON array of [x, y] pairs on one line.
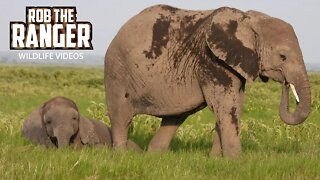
[[229, 154], [215, 152], [156, 147], [232, 153], [127, 145], [120, 145], [133, 146], [231, 149]]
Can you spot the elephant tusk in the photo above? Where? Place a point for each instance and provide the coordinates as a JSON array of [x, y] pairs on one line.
[[294, 92]]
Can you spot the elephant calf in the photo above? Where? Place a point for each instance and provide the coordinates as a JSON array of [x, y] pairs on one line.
[[58, 123]]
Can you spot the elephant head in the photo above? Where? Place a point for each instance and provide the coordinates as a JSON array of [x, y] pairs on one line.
[[255, 44], [58, 123]]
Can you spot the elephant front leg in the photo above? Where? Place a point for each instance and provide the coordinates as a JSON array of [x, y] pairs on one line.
[[228, 130], [216, 147], [227, 105]]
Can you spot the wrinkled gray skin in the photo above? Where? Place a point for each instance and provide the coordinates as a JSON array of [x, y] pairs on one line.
[[58, 123], [170, 63]]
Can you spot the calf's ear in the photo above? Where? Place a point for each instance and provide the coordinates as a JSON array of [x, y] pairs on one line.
[[88, 134], [34, 129]]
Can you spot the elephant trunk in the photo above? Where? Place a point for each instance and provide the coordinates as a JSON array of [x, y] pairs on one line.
[[63, 142], [303, 99], [63, 139]]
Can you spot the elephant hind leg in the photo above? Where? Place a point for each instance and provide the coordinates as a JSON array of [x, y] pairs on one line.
[[161, 140], [121, 114], [119, 130]]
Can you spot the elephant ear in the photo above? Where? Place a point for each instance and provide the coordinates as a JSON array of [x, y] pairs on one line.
[[34, 129], [88, 134], [233, 41]]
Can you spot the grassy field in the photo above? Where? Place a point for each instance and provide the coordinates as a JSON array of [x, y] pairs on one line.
[[271, 149]]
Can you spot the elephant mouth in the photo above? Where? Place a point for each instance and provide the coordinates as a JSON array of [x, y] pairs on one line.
[[73, 137], [285, 82], [264, 78], [54, 140]]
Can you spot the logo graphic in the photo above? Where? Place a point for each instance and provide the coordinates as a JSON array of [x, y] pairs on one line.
[[50, 28]]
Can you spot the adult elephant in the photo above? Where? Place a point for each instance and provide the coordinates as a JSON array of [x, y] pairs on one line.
[[170, 62]]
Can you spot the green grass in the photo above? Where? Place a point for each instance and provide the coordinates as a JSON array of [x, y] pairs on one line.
[[271, 149]]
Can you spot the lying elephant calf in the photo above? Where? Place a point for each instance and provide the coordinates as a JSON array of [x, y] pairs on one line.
[[58, 123]]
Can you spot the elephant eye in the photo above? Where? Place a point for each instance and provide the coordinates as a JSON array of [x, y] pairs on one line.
[[74, 118], [283, 57], [48, 121]]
